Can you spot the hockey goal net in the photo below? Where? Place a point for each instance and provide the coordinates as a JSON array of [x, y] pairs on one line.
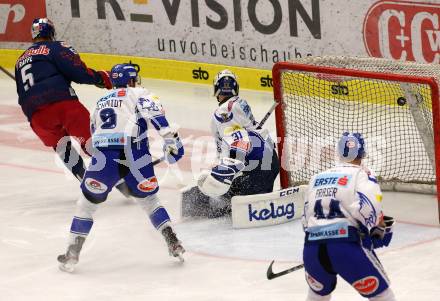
[[395, 105]]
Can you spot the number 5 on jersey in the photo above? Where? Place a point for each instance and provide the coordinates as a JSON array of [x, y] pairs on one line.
[[28, 78]]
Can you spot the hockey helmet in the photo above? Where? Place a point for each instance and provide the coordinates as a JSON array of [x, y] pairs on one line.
[[351, 146], [225, 83], [121, 74], [43, 28]]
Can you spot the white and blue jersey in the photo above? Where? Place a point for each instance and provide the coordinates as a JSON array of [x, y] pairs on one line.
[[123, 114], [119, 134], [233, 113], [342, 205], [346, 196], [259, 157], [247, 146]]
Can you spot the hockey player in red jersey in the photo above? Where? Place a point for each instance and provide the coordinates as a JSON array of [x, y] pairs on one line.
[[43, 76]]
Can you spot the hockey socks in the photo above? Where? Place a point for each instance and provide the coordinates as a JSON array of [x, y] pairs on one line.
[[161, 221], [79, 230], [81, 225], [82, 222], [158, 215], [68, 156]]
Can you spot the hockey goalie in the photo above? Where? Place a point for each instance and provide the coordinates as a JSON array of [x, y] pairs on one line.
[[247, 166], [248, 163]]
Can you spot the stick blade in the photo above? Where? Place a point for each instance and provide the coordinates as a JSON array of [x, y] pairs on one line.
[[270, 275]]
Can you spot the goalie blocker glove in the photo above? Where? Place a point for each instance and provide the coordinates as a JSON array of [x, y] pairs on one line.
[[217, 183], [173, 148]]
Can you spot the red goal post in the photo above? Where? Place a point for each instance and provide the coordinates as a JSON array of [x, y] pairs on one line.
[[395, 105]]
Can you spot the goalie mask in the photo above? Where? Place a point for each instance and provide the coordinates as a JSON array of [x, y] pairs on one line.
[[351, 146], [43, 28], [122, 74], [225, 84]]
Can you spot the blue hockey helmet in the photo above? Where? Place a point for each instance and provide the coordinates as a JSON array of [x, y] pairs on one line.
[[351, 146], [43, 28], [121, 74], [225, 83]]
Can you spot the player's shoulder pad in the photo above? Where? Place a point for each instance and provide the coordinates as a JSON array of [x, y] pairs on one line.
[[222, 114], [371, 175], [242, 105], [149, 102], [64, 45], [368, 184], [108, 95], [139, 92]]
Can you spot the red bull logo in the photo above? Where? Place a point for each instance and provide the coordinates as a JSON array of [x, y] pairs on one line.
[[403, 31]]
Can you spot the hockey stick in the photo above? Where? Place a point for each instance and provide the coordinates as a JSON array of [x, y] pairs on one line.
[[157, 161], [7, 73], [271, 275], [263, 121]]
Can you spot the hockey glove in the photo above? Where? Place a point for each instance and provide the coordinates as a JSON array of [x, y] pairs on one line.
[[173, 148], [105, 81], [219, 180], [381, 235], [227, 170]]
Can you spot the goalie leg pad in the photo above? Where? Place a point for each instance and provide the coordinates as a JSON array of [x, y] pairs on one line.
[[194, 203], [212, 187]]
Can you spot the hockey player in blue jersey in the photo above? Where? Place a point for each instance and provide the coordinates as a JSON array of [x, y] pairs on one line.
[[43, 75], [233, 118], [344, 223], [121, 151]]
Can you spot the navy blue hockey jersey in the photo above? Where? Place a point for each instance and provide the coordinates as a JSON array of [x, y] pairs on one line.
[[43, 74]]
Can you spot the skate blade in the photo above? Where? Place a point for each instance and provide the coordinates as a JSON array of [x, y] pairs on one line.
[[67, 267]]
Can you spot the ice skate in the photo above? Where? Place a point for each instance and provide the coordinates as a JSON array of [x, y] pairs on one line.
[[175, 247], [70, 259]]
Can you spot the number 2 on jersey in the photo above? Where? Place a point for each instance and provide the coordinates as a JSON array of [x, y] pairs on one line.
[[108, 118]]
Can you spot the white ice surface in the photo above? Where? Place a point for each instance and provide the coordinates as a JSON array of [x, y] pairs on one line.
[[124, 258]]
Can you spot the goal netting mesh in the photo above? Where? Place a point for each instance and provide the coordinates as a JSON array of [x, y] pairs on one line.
[[389, 102]]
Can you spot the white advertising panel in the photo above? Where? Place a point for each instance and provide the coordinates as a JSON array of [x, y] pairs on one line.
[[247, 33], [267, 209]]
